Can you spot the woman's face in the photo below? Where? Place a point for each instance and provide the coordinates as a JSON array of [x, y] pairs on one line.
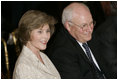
[[39, 37]]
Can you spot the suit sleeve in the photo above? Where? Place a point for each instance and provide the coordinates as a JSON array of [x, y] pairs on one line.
[[66, 63]]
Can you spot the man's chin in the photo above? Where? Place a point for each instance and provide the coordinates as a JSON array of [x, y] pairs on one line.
[[89, 38]]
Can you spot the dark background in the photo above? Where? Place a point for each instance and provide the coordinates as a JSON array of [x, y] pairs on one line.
[[11, 11]]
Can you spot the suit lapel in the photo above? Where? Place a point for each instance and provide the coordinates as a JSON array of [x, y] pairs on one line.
[[76, 46], [82, 53]]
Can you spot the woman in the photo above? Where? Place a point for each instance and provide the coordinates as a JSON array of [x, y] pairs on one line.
[[34, 31]]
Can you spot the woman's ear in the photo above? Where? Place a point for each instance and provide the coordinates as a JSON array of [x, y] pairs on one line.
[[67, 26]]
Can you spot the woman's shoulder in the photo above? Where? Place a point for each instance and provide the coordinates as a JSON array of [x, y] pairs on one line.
[[25, 57]]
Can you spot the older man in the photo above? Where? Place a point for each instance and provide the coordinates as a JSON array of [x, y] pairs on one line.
[[69, 50]]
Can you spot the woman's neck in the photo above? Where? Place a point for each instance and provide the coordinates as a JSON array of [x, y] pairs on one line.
[[35, 51]]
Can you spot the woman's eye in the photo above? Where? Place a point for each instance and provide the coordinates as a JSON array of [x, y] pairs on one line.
[[48, 30], [39, 31]]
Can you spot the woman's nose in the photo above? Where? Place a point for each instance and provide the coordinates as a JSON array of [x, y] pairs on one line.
[[46, 35]]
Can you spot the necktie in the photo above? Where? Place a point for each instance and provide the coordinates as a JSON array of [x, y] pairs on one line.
[[99, 74]]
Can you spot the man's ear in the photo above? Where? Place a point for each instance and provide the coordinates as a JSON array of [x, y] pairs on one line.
[[67, 26]]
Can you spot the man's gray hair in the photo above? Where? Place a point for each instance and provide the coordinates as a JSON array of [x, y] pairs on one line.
[[67, 15]]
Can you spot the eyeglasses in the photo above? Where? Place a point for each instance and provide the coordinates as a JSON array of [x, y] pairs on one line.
[[83, 26]]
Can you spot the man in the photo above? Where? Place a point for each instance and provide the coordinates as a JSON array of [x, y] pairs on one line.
[[67, 51]]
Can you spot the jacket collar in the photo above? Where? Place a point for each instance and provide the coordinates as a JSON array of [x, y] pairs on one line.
[[35, 61]]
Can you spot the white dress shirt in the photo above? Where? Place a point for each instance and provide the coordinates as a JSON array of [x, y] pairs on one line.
[[91, 55]]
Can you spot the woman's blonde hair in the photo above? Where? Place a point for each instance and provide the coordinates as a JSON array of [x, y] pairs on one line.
[[31, 20]]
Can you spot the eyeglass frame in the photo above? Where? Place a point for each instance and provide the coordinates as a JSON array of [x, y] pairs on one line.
[[86, 25]]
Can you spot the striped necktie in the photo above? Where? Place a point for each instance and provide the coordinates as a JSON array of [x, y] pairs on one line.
[[99, 74]]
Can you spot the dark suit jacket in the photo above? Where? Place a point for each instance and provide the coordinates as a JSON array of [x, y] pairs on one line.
[[68, 57]]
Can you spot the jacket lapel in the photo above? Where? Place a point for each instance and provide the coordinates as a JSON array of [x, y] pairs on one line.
[[47, 67], [76, 46]]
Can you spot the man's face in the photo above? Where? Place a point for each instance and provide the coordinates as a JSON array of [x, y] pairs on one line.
[[81, 27]]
